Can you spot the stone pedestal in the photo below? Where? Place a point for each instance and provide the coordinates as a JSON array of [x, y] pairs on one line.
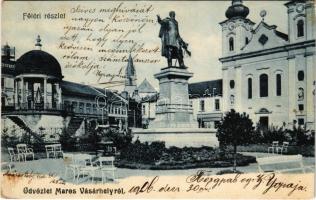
[[173, 109]]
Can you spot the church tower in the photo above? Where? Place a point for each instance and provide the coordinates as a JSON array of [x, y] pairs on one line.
[[236, 29], [301, 18], [130, 80], [236, 34]]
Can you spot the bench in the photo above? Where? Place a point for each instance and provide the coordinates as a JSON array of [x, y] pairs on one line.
[[282, 164]]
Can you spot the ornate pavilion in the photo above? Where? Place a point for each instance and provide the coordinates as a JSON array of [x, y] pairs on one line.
[[35, 98]]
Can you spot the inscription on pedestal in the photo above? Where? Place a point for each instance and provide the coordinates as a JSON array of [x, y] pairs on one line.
[[173, 108]]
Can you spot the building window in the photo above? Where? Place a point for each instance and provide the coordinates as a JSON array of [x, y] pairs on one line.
[[300, 75], [2, 83], [263, 85], [81, 107], [231, 44], [202, 106], [301, 121], [94, 108], [263, 39], [278, 85], [246, 40], [232, 84], [300, 28], [144, 109], [88, 108], [300, 107], [74, 106], [249, 88], [217, 106]]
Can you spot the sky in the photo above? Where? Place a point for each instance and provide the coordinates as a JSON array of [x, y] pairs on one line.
[[198, 24]]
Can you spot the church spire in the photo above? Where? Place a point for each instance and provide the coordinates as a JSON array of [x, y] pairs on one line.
[[130, 70], [130, 74]]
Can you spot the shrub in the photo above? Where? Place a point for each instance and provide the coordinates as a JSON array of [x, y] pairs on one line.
[[143, 152], [9, 138], [67, 141], [120, 139], [302, 136], [273, 133], [296, 136]]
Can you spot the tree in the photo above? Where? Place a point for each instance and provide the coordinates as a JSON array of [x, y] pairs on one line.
[[235, 129]]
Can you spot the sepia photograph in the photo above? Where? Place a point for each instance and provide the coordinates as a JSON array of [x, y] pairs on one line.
[[158, 99]]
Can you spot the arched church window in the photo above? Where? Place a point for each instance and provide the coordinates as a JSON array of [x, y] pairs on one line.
[[231, 44], [300, 75], [232, 84], [300, 28], [263, 85], [246, 40], [278, 85], [249, 88]]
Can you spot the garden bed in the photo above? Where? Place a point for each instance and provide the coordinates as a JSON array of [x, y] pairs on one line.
[[156, 157]]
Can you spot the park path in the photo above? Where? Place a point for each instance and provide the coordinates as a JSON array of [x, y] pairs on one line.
[[56, 167]]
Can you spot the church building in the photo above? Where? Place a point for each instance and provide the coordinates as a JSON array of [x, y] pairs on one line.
[[266, 73]]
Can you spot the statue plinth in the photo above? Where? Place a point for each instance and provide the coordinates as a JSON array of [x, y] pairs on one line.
[[173, 109]]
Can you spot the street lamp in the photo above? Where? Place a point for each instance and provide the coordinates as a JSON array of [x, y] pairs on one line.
[[100, 104]]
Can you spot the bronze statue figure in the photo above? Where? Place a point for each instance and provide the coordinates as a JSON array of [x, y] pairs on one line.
[[172, 43]]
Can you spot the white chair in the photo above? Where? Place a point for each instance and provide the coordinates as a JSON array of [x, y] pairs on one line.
[[70, 164], [107, 165], [58, 150], [6, 164], [13, 156], [22, 149], [49, 150], [283, 148], [85, 165], [274, 146]]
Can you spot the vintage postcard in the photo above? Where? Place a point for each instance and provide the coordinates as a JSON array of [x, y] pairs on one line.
[[158, 99]]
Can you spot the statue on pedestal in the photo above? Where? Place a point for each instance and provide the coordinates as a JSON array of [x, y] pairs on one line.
[[172, 43]]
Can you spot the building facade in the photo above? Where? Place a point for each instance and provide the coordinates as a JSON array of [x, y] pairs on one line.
[[266, 73], [206, 100], [36, 100]]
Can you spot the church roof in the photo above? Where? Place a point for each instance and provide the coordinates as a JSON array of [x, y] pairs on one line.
[[237, 9], [278, 33], [205, 88], [146, 87], [282, 35]]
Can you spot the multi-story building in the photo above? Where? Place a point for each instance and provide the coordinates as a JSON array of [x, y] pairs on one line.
[[266, 73], [35, 98], [205, 98]]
